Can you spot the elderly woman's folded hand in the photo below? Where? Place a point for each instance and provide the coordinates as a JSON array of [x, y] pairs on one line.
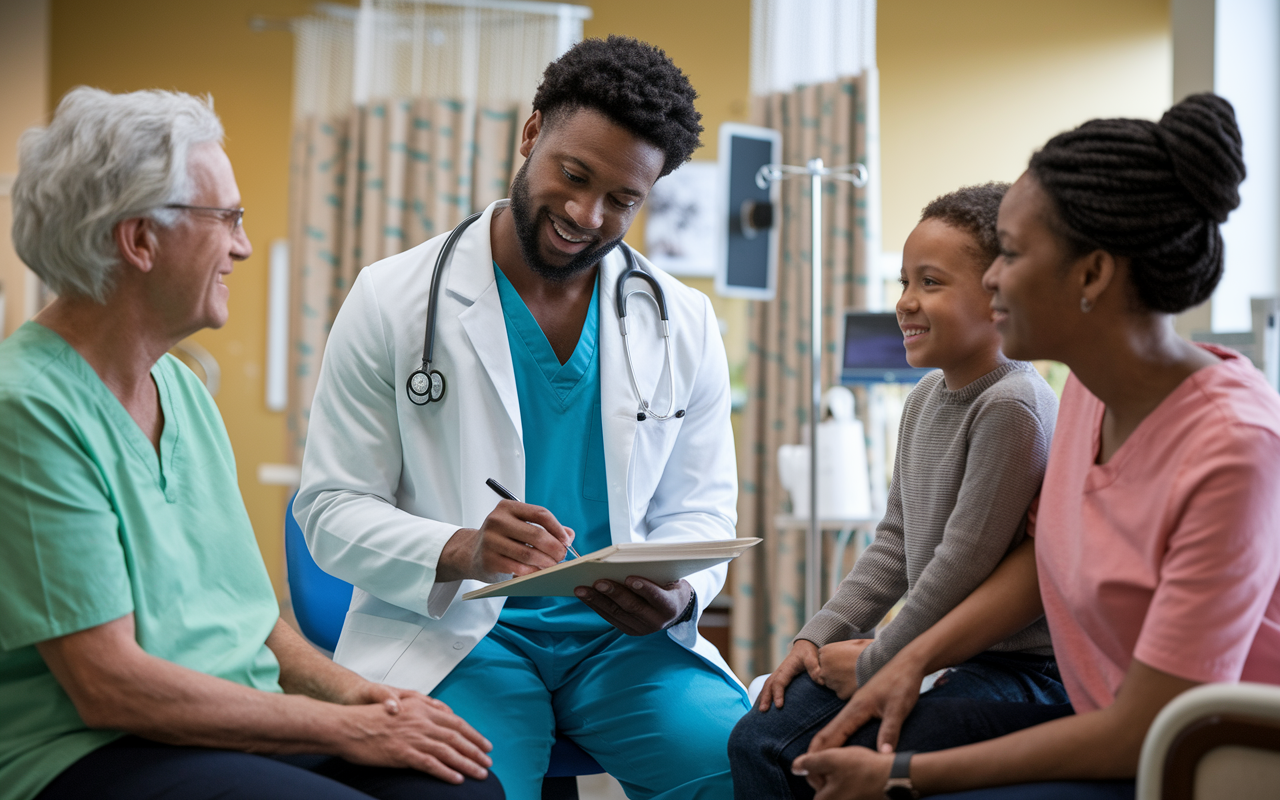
[[422, 733]]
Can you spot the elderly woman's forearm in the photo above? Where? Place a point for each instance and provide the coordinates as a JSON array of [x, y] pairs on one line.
[[307, 672], [115, 685]]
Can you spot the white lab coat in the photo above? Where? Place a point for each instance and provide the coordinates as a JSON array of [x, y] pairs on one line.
[[385, 483]]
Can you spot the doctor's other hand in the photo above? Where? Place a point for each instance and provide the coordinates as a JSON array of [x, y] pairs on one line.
[[424, 735], [638, 606], [838, 666], [515, 539], [802, 658], [845, 773]]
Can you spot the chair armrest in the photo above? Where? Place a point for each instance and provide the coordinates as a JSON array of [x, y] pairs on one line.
[[1198, 721]]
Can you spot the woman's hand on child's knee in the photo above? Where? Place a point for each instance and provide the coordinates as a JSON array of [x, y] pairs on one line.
[[838, 666], [802, 658], [890, 695]]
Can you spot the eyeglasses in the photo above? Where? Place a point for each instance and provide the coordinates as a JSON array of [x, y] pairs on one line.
[[234, 216]]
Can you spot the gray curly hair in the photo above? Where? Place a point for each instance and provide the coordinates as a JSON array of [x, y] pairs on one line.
[[103, 159]]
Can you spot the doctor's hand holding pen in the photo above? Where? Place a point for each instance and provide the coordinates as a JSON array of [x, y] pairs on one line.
[[515, 539], [637, 606]]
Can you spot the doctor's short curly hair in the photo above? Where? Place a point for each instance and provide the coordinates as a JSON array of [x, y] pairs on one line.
[[632, 83]]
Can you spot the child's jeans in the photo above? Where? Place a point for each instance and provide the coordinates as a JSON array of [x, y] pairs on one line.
[[987, 696]]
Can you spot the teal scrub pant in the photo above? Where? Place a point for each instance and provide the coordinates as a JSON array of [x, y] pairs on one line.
[[654, 715]]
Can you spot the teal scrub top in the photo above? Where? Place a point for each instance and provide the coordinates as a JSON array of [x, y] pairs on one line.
[[95, 525], [563, 448]]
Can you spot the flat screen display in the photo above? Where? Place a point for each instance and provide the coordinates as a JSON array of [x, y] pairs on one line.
[[748, 259], [873, 350]]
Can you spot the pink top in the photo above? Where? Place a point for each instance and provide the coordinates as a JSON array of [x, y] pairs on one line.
[[1169, 552]]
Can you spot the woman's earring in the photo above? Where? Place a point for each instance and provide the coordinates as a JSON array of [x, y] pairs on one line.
[[1085, 305]]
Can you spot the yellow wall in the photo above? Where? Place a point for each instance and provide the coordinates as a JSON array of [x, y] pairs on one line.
[[24, 84], [208, 48], [968, 90]]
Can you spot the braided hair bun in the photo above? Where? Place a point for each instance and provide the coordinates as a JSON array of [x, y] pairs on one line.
[[1152, 192]]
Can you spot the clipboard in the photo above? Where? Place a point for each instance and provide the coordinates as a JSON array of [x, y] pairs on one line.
[[660, 562]]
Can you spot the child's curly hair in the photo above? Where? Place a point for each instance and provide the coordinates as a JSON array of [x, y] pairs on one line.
[[972, 209]]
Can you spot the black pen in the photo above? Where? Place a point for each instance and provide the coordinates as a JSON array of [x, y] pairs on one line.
[[505, 495]]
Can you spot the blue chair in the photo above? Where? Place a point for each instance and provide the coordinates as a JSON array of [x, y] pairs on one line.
[[320, 602]]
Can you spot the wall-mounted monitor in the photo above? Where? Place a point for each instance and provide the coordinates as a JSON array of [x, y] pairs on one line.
[[748, 215], [873, 350]]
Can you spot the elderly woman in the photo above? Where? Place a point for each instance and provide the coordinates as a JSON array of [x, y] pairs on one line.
[[141, 650], [1156, 556]]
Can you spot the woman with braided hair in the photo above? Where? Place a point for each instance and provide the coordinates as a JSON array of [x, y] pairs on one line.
[[1156, 556]]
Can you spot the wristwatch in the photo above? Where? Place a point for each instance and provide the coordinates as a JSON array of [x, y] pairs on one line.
[[899, 786], [685, 615]]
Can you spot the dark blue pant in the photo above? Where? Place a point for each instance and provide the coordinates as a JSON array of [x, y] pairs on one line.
[[1058, 790], [132, 768], [985, 697]]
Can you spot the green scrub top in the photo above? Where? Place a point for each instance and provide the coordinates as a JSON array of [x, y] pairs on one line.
[[94, 525], [563, 449]]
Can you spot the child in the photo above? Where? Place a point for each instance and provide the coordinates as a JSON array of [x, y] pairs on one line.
[[972, 448]]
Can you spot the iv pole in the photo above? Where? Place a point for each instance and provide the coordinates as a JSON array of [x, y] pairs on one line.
[[857, 175]]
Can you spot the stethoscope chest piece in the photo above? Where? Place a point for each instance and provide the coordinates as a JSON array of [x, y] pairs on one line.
[[426, 386]]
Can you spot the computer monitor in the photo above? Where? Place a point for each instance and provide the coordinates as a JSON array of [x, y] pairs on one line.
[[873, 350]]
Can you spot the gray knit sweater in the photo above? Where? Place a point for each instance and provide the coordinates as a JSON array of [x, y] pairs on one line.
[[968, 465]]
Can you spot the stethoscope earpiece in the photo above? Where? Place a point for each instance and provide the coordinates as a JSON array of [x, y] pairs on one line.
[[641, 417]]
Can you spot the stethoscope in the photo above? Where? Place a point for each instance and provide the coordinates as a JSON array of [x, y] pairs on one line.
[[427, 385]]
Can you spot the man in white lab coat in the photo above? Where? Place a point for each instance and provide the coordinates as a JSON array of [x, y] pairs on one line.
[[538, 394]]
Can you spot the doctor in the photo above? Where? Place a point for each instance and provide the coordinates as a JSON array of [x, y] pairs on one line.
[[539, 395]]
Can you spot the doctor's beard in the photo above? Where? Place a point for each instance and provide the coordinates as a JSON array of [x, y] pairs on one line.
[[528, 221]]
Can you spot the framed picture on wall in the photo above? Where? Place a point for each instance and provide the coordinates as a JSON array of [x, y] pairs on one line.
[[680, 231]]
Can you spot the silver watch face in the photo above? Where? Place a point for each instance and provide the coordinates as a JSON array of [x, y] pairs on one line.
[[418, 383]]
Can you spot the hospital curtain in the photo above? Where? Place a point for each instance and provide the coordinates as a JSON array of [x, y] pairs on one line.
[[824, 120], [374, 182]]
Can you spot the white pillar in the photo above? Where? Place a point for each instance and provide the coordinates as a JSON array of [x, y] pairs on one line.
[[1193, 23], [1247, 72]]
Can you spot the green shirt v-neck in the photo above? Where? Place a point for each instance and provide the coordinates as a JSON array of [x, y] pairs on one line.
[[95, 525], [563, 448]]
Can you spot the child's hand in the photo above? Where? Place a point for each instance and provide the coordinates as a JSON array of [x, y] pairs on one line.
[[802, 658], [838, 666]]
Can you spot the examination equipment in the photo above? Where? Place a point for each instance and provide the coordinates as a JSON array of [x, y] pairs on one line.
[[426, 385]]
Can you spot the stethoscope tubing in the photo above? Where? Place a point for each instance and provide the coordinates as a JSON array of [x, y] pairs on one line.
[[429, 342], [659, 299], [426, 385]]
